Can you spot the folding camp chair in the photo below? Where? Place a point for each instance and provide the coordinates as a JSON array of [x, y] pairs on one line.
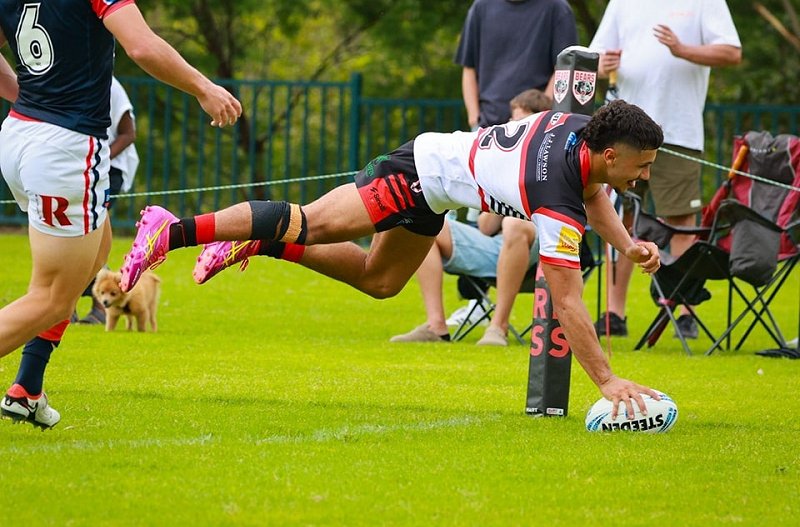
[[742, 238], [764, 245], [475, 288]]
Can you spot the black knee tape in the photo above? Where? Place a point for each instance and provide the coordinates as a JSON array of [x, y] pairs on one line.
[[278, 220], [267, 215]]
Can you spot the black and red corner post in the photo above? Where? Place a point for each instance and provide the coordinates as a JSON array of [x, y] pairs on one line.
[[550, 354]]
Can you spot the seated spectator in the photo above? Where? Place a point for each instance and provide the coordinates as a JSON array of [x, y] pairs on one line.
[[461, 249], [529, 102], [480, 252]]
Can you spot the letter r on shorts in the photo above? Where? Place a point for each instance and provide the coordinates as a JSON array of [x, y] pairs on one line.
[[54, 208]]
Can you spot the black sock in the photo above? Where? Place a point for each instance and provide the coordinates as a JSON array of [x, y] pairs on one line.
[[35, 356], [183, 234], [271, 248]]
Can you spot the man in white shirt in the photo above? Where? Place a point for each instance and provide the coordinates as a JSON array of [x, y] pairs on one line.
[[662, 53]]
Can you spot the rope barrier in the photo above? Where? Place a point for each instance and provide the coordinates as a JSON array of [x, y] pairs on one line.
[[732, 170], [225, 187], [353, 172]]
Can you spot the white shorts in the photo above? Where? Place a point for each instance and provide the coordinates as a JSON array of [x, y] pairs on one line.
[[59, 177]]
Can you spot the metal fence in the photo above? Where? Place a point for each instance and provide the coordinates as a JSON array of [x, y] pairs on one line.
[[298, 139]]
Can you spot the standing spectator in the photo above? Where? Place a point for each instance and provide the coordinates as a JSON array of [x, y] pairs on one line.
[[54, 156], [121, 136], [124, 162], [663, 53], [506, 47]]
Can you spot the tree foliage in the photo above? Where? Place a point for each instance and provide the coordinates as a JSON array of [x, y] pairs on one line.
[[405, 48]]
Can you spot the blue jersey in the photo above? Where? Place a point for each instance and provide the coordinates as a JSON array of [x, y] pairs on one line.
[[65, 58]]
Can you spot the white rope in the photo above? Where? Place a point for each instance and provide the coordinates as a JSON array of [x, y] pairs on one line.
[[353, 172], [224, 187], [731, 169]]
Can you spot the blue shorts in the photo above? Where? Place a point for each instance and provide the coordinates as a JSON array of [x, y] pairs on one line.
[[476, 254]]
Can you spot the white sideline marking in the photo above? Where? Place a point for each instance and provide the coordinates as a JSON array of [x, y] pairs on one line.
[[317, 436]]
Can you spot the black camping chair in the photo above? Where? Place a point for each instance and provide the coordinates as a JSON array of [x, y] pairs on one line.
[[681, 281], [475, 288]]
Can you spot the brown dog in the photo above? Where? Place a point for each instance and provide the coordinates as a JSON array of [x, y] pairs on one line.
[[140, 303]]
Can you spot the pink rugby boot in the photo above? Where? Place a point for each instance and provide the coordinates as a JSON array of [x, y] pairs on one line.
[[217, 256], [149, 247]]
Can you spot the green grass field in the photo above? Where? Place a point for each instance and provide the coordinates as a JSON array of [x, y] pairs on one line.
[[273, 397]]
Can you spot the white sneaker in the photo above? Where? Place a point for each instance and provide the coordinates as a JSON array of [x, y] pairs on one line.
[[20, 406], [461, 313]]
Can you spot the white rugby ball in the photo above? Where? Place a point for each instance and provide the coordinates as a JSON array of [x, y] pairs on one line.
[[661, 416]]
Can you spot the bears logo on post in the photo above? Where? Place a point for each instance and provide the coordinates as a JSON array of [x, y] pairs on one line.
[[583, 86], [560, 85]]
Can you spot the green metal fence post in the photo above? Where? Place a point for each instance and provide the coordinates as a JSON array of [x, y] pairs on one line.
[[355, 119]]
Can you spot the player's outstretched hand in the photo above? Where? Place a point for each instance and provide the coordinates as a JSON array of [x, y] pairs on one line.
[[646, 255], [223, 107], [616, 389]]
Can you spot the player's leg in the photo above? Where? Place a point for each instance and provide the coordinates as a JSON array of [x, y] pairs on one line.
[[59, 177], [337, 216], [61, 269]]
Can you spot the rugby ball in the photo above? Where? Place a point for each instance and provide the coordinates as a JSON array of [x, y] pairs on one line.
[[661, 416]]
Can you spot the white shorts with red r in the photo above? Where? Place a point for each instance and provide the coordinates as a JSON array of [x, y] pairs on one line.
[[59, 177]]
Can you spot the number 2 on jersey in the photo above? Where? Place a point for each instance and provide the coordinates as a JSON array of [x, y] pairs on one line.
[[33, 43]]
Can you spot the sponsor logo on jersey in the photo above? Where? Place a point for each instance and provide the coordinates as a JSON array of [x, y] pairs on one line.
[[560, 85], [572, 140], [583, 86], [568, 242], [370, 168], [543, 157], [556, 120]]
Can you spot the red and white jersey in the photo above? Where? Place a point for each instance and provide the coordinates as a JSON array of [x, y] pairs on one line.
[[535, 168]]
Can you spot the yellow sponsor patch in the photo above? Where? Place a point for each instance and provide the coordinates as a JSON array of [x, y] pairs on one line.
[[569, 242]]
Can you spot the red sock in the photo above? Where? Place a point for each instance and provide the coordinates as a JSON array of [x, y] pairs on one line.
[[56, 332], [206, 228], [291, 252]]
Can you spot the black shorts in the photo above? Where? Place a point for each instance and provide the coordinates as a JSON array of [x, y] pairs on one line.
[[390, 189], [115, 177]]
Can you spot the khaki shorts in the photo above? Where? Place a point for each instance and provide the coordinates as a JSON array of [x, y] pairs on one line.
[[674, 184]]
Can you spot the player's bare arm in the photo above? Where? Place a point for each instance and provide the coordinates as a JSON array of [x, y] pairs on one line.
[[605, 222], [566, 286], [9, 89], [159, 59]]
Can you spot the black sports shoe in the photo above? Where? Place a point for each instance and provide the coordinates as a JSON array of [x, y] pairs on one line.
[[618, 326], [688, 327]]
